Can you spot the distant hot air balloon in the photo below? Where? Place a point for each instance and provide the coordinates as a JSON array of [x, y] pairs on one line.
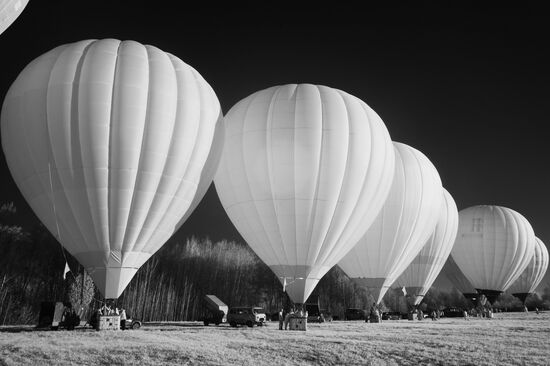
[[107, 141], [405, 223], [424, 269], [457, 278], [528, 281], [305, 170], [493, 247], [9, 11]]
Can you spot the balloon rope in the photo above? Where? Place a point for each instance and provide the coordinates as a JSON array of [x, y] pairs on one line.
[[56, 222], [58, 232]]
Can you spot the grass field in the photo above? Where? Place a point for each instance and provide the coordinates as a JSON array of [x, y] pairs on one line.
[[508, 339]]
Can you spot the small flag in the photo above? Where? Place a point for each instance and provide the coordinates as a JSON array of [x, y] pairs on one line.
[[67, 269], [404, 291]]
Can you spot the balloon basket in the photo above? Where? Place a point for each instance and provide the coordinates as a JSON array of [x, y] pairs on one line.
[[108, 322], [298, 323]]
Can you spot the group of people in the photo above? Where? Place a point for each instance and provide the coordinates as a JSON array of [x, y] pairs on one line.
[[284, 317]]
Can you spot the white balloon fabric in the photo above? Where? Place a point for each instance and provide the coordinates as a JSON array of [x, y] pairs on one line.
[[457, 278], [424, 269], [405, 223], [534, 273], [9, 11], [305, 170], [493, 246], [107, 141]]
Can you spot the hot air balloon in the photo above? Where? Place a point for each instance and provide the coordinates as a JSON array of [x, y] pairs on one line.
[[9, 11], [493, 247], [305, 170], [107, 141], [405, 223], [457, 278], [424, 269], [528, 281]]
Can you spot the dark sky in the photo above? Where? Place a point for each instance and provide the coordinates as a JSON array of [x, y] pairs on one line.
[[469, 86]]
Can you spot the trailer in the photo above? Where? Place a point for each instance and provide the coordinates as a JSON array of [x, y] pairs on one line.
[[215, 310]]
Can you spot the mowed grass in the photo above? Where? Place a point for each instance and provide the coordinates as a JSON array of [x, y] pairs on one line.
[[508, 339]]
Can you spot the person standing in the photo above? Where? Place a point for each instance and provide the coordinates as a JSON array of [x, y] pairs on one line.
[[281, 319], [123, 319]]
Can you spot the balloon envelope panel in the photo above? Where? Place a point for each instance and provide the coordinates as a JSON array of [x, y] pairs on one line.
[[305, 169], [107, 141]]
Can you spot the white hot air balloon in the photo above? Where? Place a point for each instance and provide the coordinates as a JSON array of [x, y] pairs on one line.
[[405, 223], [493, 247], [532, 275], [424, 269], [107, 141], [457, 278], [304, 171], [9, 11]]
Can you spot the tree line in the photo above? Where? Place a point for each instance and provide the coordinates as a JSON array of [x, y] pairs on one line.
[[171, 285]]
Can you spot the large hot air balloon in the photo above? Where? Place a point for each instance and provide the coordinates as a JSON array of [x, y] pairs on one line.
[[457, 278], [305, 170], [424, 269], [9, 11], [528, 281], [405, 223], [493, 247], [107, 141]]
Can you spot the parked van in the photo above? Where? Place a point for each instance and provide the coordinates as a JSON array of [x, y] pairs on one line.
[[246, 315]]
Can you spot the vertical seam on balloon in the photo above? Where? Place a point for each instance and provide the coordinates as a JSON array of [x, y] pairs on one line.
[[511, 223], [321, 248], [75, 121], [313, 208], [223, 170], [335, 250], [296, 244], [267, 238], [184, 217], [110, 152], [413, 233], [394, 241], [52, 158], [141, 240], [269, 157], [212, 161], [351, 243]]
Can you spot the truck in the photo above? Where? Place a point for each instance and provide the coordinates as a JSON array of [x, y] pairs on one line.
[[215, 311]]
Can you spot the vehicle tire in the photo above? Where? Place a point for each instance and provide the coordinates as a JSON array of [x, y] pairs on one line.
[[205, 322], [233, 324], [250, 324], [136, 326]]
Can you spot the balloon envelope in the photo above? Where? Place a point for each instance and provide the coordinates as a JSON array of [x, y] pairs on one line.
[[531, 277], [107, 141], [9, 11], [457, 278], [424, 269], [493, 246], [405, 223], [304, 171]]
